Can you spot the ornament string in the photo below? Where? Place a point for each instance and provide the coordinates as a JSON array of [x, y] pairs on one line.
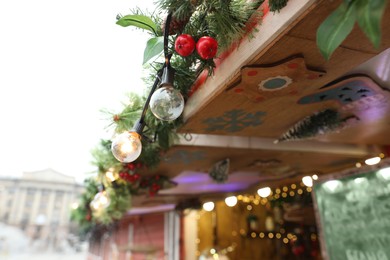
[[163, 75]]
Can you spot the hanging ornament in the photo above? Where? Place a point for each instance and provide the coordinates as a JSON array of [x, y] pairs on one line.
[[220, 171], [184, 45], [167, 103], [207, 47]]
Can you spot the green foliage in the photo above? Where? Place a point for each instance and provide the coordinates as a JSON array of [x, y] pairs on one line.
[[339, 24], [369, 17], [154, 47], [83, 214], [276, 5], [131, 112], [181, 9], [223, 20], [120, 202], [149, 23], [140, 21], [336, 28], [103, 158]]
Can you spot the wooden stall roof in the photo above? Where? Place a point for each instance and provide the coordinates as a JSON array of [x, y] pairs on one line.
[[268, 84]]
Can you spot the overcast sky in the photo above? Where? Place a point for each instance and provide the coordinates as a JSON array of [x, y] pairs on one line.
[[61, 62]]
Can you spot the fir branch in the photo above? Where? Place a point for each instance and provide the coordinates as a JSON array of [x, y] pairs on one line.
[[276, 5], [103, 158], [181, 9]]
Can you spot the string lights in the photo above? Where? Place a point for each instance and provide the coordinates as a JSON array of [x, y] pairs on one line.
[[166, 103]]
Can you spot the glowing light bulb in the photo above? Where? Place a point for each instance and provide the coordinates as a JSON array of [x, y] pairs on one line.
[[75, 205], [100, 201], [264, 192], [127, 147], [208, 206], [231, 201], [373, 161], [308, 181], [167, 103], [110, 175]]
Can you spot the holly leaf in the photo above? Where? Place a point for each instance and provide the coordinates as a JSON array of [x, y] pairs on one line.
[[140, 21], [336, 27], [369, 16], [154, 47]]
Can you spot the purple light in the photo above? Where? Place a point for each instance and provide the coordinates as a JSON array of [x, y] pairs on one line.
[[198, 182], [191, 177]]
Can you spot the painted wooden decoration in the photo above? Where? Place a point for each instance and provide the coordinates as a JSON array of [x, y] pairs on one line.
[[287, 77], [233, 121], [352, 93], [185, 157], [318, 123], [220, 171]]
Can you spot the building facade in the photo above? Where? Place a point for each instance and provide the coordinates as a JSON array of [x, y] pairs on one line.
[[39, 203]]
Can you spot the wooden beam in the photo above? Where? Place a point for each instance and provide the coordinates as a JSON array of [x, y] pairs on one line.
[[241, 142]]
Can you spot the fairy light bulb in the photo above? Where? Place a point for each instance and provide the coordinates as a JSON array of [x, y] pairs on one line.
[[110, 175], [231, 201], [373, 160], [167, 103], [264, 192], [100, 201], [308, 181], [208, 206], [127, 147]]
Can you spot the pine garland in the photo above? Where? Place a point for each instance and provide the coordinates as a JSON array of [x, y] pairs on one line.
[[276, 5]]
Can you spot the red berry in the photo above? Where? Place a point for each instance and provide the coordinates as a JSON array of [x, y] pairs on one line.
[[131, 166], [207, 47], [139, 165], [184, 45]]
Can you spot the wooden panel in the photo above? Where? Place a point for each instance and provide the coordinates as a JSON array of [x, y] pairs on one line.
[[272, 117], [282, 112], [267, 163]]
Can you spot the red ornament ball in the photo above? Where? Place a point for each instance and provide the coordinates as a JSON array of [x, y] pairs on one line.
[[207, 47], [184, 45]]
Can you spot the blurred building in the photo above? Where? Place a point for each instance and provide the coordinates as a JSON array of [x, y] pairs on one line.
[[39, 203]]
